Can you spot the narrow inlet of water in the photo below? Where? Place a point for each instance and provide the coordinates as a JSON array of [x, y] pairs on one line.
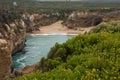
[[37, 46]]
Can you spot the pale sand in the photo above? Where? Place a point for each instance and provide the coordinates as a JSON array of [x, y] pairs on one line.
[[57, 27]]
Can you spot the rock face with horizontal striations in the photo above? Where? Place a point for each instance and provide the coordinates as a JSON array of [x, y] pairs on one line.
[[5, 59], [35, 21], [12, 40], [82, 19], [91, 18]]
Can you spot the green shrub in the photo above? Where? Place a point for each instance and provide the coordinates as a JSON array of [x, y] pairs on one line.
[[53, 49], [53, 63], [88, 57], [111, 27]]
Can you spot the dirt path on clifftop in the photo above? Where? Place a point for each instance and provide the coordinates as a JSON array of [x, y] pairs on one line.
[[57, 28]]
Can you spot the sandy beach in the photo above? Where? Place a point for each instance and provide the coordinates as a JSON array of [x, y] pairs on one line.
[[57, 27]]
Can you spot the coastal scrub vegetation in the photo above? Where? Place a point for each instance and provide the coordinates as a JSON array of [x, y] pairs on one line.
[[111, 27], [94, 56], [8, 16]]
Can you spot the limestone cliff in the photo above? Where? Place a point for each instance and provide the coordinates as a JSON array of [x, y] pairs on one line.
[[5, 59], [35, 21], [90, 18], [13, 27], [82, 19], [12, 39]]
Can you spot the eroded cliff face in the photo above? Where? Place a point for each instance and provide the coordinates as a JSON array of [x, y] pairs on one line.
[[13, 30], [12, 40], [35, 21], [5, 59], [18, 36], [13, 34], [82, 19], [90, 18]]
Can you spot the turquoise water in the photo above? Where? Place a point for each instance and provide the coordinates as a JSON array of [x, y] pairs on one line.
[[37, 46]]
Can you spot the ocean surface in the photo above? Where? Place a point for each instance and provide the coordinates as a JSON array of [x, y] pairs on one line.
[[37, 46]]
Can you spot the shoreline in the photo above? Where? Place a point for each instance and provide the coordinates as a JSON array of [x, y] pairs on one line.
[[51, 34], [58, 29], [54, 29]]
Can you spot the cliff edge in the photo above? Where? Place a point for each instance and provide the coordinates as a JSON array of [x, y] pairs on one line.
[[12, 39]]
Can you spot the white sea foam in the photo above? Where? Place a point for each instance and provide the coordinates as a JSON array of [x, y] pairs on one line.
[[33, 56], [18, 60], [46, 34], [23, 64], [33, 35], [21, 59]]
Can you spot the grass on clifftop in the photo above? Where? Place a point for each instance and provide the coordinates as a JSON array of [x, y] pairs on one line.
[[94, 56]]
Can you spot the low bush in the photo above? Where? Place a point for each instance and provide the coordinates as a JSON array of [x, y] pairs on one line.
[[111, 27], [88, 57]]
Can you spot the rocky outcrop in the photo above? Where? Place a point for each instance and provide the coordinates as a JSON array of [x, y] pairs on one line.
[[90, 18], [5, 59], [13, 31], [82, 19], [35, 21], [12, 36], [12, 39]]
